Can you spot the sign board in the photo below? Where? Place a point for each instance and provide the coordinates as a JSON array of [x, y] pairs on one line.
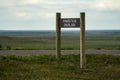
[[70, 22]]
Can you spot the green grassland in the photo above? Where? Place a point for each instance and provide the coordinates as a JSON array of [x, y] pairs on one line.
[[70, 40], [46, 67]]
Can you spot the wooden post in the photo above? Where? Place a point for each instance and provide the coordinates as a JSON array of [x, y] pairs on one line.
[[58, 36], [82, 41]]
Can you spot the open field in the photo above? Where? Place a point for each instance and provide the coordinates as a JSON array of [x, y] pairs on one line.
[[46, 67], [45, 40]]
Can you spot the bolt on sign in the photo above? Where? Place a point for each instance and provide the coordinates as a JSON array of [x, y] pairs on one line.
[[70, 22]]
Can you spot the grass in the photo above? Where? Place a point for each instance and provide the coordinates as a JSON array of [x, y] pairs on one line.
[[46, 67], [109, 40]]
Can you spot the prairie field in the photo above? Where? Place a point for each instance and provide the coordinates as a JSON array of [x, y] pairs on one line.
[[47, 67], [70, 40]]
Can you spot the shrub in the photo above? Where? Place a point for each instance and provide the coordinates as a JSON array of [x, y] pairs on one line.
[[0, 46], [98, 48], [8, 48]]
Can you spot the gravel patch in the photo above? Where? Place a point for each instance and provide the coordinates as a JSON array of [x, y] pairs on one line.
[[40, 52]]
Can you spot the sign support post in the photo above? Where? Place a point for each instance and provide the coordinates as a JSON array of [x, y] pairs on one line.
[[58, 36], [82, 41]]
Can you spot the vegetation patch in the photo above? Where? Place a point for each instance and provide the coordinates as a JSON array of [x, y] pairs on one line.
[[47, 67]]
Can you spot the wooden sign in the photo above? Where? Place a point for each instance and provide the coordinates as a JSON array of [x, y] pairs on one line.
[[70, 22]]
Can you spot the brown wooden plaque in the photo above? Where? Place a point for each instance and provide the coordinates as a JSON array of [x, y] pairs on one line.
[[70, 22]]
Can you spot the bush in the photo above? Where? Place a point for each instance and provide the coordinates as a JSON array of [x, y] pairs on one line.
[[8, 48], [98, 48], [0, 46]]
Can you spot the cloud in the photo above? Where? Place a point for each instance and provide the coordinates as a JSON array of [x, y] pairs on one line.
[[106, 4], [23, 16], [50, 15], [6, 3], [42, 12], [32, 1]]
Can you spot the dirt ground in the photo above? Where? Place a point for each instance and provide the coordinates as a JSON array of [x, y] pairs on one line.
[[38, 52]]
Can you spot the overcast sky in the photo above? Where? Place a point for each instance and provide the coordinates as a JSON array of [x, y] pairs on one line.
[[41, 14]]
